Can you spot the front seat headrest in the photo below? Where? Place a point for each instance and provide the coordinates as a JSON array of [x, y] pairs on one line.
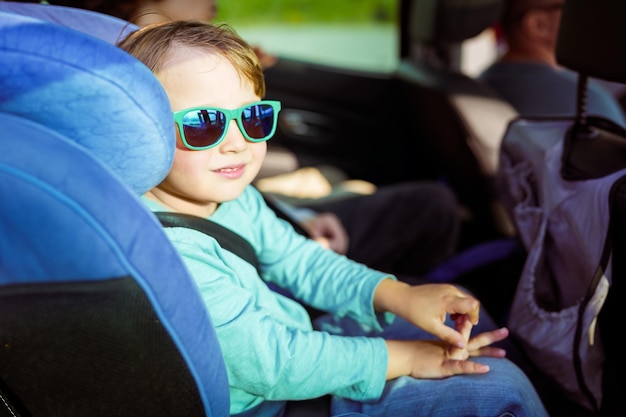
[[451, 21], [592, 37]]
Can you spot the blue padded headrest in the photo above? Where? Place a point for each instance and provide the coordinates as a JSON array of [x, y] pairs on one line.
[[89, 91], [451, 21], [592, 38], [108, 28]]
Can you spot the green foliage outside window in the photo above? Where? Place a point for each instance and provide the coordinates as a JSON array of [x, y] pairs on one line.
[[264, 12]]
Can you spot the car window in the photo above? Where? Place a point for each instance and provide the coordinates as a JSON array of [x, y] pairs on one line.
[[353, 34]]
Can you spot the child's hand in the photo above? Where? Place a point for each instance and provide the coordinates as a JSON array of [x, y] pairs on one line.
[[479, 345], [427, 306], [433, 359], [463, 326]]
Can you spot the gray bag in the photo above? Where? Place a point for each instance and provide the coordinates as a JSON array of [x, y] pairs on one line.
[[563, 223]]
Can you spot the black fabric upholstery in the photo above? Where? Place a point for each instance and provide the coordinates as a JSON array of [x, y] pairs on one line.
[[88, 344], [594, 152], [613, 403]]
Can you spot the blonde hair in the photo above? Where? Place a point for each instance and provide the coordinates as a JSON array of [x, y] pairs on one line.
[[151, 45]]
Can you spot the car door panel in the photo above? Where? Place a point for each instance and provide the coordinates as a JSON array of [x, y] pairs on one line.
[[350, 119]]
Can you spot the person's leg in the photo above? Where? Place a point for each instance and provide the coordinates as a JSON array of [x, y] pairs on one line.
[[405, 229], [504, 391]]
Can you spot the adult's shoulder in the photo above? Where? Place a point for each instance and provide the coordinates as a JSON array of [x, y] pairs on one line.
[[507, 69]]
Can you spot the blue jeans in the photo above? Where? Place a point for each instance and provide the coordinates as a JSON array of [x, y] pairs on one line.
[[504, 391]]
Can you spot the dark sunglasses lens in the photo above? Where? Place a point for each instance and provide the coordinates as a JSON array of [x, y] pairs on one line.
[[258, 120], [203, 127]]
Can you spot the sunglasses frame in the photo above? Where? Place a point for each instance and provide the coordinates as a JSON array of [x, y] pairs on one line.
[[231, 114]]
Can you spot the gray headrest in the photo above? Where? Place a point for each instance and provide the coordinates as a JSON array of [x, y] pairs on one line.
[[451, 21]]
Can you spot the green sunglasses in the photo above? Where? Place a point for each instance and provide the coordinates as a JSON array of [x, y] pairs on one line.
[[205, 127]]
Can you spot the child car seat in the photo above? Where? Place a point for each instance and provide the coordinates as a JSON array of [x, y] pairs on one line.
[[99, 315], [96, 302]]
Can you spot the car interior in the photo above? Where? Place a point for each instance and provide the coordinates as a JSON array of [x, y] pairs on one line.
[[425, 120], [459, 117], [86, 310]]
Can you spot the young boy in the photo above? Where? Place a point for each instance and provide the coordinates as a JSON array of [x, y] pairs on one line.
[[406, 229], [273, 354]]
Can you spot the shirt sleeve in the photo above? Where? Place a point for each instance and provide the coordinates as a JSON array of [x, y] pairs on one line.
[[296, 362], [317, 276]]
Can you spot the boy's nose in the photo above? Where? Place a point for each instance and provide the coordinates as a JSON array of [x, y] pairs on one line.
[[234, 140]]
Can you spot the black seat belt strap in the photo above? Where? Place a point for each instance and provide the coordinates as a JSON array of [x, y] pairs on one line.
[[280, 213], [226, 238]]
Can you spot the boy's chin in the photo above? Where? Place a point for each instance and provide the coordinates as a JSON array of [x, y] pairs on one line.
[[228, 192]]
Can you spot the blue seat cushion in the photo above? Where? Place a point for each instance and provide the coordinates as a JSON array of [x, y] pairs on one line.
[[66, 218]]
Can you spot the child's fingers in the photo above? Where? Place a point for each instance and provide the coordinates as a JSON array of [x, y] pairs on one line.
[[464, 327], [489, 351], [485, 339], [464, 305]]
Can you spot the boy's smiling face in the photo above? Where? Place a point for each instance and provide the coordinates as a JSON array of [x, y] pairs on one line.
[[200, 180]]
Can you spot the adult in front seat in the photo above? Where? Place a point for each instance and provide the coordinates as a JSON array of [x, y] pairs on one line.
[[528, 76]]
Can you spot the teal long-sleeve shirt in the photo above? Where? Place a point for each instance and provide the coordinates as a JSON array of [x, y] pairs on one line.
[[271, 351]]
